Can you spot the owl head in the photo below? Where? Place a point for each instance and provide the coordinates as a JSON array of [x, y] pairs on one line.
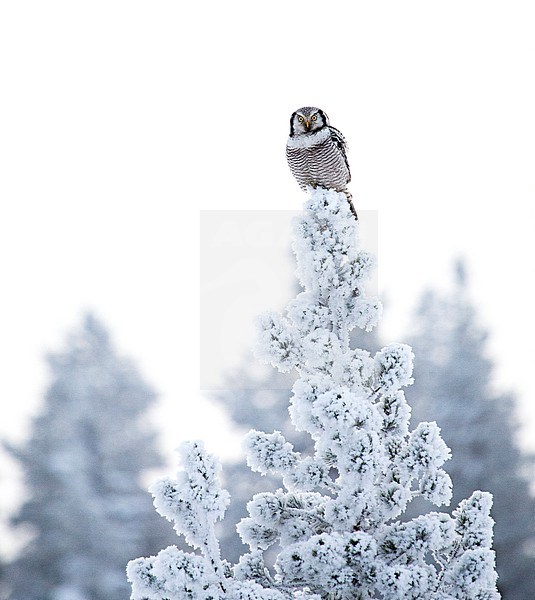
[[307, 120]]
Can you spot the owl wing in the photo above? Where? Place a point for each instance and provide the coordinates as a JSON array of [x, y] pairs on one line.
[[340, 142]]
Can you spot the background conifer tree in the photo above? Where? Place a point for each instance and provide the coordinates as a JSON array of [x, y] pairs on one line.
[[87, 508], [453, 385]]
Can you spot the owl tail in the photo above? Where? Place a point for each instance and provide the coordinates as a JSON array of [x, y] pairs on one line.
[[351, 206]]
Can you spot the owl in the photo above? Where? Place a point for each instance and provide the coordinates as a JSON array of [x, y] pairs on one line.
[[316, 152]]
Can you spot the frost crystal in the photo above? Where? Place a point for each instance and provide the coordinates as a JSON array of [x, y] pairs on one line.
[[335, 518]]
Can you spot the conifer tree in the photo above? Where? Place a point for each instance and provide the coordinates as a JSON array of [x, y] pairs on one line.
[[253, 398], [336, 520], [86, 507], [256, 396], [453, 386]]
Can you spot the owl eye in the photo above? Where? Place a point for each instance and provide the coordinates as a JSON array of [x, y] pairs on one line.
[[300, 119], [314, 117]]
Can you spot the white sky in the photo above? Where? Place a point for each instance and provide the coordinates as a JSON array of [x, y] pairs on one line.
[[121, 121]]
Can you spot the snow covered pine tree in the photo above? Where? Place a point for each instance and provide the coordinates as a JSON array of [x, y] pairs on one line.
[[90, 444], [453, 375], [336, 519]]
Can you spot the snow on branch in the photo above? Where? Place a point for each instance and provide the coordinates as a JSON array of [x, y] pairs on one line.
[[335, 519]]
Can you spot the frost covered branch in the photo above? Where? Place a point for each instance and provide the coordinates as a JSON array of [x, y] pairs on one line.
[[336, 518]]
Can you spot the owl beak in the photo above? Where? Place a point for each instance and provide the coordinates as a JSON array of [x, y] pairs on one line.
[[307, 124]]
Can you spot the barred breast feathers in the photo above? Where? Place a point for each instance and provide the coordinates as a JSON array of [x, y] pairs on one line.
[[307, 141]]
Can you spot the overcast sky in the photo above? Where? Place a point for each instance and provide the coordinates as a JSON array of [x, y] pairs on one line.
[[121, 121]]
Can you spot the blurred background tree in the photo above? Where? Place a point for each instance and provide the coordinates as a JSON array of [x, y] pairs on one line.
[[87, 512], [453, 386]]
